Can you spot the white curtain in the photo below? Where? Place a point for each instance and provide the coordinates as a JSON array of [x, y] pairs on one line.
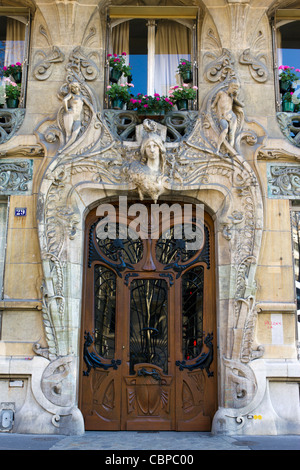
[[172, 43], [15, 42], [120, 38]]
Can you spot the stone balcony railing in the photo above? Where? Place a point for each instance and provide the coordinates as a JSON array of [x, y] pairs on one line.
[[122, 123], [10, 122], [289, 124]]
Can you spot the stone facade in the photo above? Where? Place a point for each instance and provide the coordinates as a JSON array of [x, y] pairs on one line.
[[241, 179]]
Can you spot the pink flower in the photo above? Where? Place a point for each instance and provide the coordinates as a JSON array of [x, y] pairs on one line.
[[280, 67], [18, 63], [291, 92], [183, 63], [145, 106], [297, 70], [124, 53], [157, 98], [156, 94], [109, 55], [12, 65], [4, 68], [108, 87], [195, 88], [115, 55]]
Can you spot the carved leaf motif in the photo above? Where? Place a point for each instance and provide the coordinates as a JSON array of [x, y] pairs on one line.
[[109, 396], [187, 398]]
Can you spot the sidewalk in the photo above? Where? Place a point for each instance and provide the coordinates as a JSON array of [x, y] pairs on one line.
[[139, 441]]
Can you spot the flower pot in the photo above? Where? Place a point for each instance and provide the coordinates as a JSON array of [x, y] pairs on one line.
[[187, 77], [17, 77], [115, 75], [284, 86], [129, 78], [182, 105], [117, 103], [12, 102], [288, 106]]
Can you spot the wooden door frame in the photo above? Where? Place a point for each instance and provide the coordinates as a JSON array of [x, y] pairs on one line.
[[173, 320]]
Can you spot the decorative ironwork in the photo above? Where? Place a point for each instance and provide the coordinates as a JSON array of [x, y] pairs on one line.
[[117, 254], [204, 361], [104, 311], [152, 373], [177, 252], [149, 323], [192, 312], [94, 361]]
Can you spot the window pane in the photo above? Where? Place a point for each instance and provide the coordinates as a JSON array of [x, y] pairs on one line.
[[12, 41], [172, 43], [105, 311], [192, 312], [149, 323], [138, 54], [289, 44]]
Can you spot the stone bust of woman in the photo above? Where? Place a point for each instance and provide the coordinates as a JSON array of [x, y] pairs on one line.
[[148, 173]]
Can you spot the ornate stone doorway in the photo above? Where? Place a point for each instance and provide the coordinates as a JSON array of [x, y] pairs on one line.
[[148, 330]]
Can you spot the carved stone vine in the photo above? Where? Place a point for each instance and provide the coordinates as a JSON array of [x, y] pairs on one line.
[[284, 181], [15, 176]]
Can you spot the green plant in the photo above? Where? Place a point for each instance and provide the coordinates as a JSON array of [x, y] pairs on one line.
[[157, 103], [12, 90], [12, 69], [117, 62], [116, 91], [287, 74], [185, 92], [288, 96], [184, 66]]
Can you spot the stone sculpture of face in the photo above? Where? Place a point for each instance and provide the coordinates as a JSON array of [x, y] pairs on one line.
[[152, 151]]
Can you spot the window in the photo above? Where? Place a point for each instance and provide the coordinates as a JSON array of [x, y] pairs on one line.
[[287, 40], [14, 33], [154, 39]]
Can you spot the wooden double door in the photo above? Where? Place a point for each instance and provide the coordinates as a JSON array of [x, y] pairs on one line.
[[148, 355]]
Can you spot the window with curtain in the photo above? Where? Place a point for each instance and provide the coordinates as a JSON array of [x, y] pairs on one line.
[[12, 37], [287, 40], [14, 34], [154, 48]]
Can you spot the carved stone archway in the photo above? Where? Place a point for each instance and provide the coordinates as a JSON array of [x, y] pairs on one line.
[[95, 165]]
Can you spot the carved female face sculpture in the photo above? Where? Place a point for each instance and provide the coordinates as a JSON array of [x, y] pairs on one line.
[[153, 153]]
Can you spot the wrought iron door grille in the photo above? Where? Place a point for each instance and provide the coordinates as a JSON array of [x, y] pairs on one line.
[[192, 312], [105, 311], [149, 323]]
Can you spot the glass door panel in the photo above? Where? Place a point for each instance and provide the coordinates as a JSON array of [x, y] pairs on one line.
[[149, 323]]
